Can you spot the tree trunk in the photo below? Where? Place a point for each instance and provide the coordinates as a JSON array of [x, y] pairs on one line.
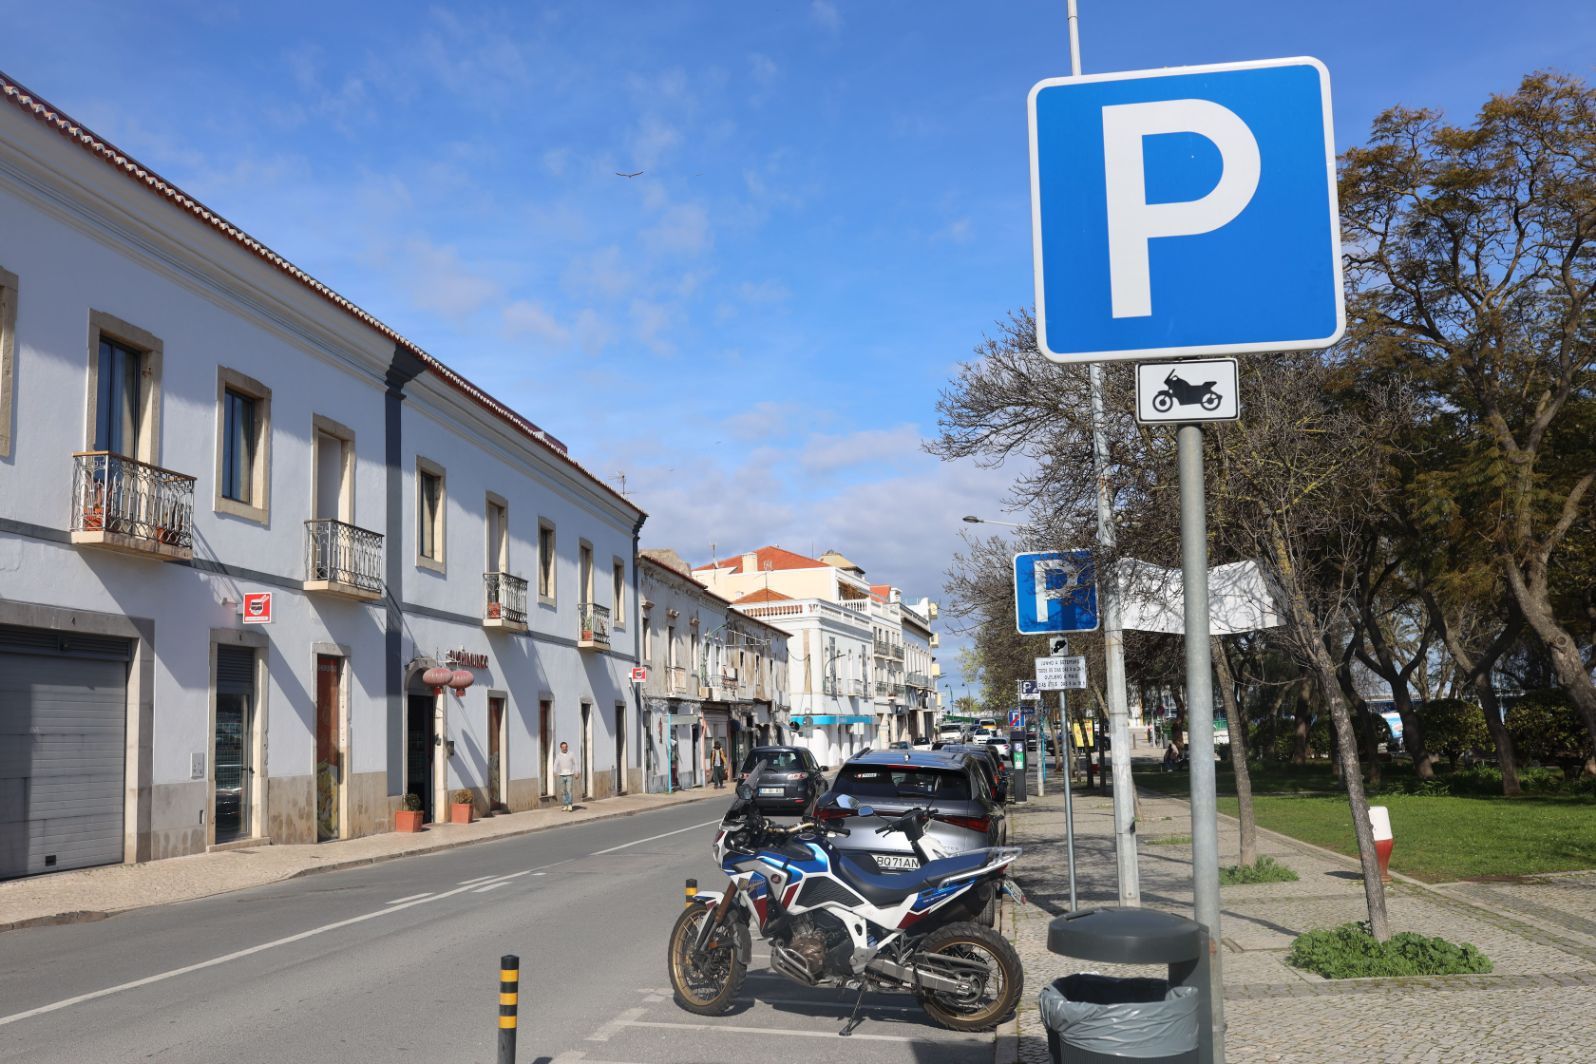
[[1238, 752], [1501, 738], [1413, 731], [1304, 727], [1534, 601], [1361, 716]]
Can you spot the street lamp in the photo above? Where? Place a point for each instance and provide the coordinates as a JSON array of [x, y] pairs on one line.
[[974, 520]]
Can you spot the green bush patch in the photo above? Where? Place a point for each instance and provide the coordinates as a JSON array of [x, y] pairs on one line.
[[1350, 952], [1169, 840], [1264, 870]]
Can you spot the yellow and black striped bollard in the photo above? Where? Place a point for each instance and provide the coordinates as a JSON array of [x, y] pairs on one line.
[[509, 996], [692, 893]]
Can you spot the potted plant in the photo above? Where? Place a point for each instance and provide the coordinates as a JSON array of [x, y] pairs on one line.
[[408, 816], [462, 807], [493, 611]]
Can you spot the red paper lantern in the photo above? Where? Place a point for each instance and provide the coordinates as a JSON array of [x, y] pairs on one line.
[[461, 679], [437, 677]]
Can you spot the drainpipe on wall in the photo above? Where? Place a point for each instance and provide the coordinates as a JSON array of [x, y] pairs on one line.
[[637, 654], [406, 366]]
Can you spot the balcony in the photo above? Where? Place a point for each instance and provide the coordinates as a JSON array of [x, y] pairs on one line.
[[918, 679], [883, 689], [676, 679], [131, 507], [595, 633], [505, 609], [936, 641], [342, 559], [856, 688], [728, 680], [890, 651]]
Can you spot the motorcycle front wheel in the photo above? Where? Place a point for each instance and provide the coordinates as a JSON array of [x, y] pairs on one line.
[[994, 995], [707, 987], [1211, 401], [1163, 401]]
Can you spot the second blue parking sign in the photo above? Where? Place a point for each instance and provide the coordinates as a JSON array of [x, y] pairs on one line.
[[1187, 211]]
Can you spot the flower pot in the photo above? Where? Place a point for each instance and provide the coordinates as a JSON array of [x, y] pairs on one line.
[[407, 820], [460, 812], [493, 611]]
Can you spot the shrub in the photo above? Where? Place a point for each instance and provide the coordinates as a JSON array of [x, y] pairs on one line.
[[1453, 727], [412, 803], [1169, 840], [1351, 952], [1265, 870], [463, 797], [1545, 727]]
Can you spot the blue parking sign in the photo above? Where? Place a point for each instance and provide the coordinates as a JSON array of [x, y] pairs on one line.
[[1055, 591], [1188, 211]]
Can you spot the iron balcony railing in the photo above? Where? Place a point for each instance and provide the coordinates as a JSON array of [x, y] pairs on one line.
[[118, 495], [506, 597], [890, 651], [595, 624], [918, 679], [828, 686], [343, 554], [883, 689]]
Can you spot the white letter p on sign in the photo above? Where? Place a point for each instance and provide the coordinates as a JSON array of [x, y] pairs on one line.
[[1132, 221]]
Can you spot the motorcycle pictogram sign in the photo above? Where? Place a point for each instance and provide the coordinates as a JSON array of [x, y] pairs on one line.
[[1198, 390]]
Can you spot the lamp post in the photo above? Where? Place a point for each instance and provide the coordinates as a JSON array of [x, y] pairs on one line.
[[1130, 892]]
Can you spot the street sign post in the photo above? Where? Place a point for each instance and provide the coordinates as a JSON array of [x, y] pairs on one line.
[[1165, 203], [1055, 591]]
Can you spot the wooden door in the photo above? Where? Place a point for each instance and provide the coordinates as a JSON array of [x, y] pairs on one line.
[[329, 752], [495, 752]]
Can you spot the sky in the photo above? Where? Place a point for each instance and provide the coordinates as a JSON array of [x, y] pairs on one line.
[[833, 206]]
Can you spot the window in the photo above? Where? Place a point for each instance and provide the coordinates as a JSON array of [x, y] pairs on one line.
[[243, 449], [124, 389], [546, 588], [648, 639], [333, 493], [498, 535], [429, 514], [618, 602], [670, 647], [8, 328], [584, 574], [873, 781]]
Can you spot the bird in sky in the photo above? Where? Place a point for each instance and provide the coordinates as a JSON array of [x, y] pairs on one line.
[[638, 173]]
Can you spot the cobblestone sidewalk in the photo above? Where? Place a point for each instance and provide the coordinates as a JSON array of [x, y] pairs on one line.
[[95, 893], [1538, 1005]]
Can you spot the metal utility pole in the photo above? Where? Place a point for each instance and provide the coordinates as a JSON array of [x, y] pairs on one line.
[[1200, 711], [1130, 889]]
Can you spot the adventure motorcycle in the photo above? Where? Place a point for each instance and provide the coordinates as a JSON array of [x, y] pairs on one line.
[[831, 921], [1177, 390]]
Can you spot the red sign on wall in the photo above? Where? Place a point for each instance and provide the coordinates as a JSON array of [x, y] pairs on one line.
[[639, 674], [258, 607]]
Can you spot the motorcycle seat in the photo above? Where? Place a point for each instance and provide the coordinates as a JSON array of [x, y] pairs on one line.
[[883, 889]]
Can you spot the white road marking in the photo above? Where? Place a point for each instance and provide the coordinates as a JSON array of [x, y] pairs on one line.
[[159, 977], [479, 879], [626, 1018], [491, 886], [651, 838], [729, 1028], [413, 897]]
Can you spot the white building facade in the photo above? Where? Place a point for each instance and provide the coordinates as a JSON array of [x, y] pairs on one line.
[[188, 422]]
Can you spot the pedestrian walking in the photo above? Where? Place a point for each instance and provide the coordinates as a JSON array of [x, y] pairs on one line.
[[566, 768], [717, 765]]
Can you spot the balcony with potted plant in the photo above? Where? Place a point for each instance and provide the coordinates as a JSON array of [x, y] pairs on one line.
[[595, 631], [505, 608], [131, 506]]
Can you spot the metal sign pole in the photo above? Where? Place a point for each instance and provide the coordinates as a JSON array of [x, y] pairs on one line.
[[1069, 802], [1200, 712]]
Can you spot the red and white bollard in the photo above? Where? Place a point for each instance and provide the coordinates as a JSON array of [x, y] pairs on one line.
[[1380, 821]]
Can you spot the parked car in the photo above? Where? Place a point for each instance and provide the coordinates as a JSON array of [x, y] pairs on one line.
[[1030, 741], [996, 768], [922, 743], [791, 782], [891, 782]]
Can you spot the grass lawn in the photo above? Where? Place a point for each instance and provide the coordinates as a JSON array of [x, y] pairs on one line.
[[1437, 838]]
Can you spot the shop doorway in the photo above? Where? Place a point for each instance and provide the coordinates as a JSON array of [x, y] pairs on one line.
[[546, 745], [496, 788], [620, 748], [234, 756], [329, 746], [587, 750], [421, 740]]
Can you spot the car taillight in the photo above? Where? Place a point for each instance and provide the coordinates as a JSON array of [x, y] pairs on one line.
[[968, 823], [833, 813], [792, 776]]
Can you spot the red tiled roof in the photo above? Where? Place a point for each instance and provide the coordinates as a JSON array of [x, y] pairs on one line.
[[762, 595], [32, 104], [776, 557]]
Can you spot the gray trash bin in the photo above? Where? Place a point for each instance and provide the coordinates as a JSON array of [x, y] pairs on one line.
[[1094, 1019]]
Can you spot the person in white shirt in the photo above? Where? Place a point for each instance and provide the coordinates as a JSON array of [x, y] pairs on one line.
[[566, 768]]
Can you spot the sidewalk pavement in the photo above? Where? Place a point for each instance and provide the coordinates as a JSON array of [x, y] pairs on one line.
[[1538, 1005], [95, 893]]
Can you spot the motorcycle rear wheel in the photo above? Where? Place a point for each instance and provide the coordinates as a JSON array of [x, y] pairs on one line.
[[1000, 991], [1163, 401], [709, 988]]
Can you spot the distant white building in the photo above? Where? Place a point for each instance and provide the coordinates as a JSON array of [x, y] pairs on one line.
[[188, 422], [862, 672], [713, 674]]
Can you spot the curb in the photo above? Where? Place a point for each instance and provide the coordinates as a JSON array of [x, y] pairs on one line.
[[1006, 1043], [87, 916]]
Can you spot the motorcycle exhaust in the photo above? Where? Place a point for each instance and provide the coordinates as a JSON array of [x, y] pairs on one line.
[[793, 965]]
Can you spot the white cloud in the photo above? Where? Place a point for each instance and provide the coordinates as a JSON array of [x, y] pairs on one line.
[[556, 160], [526, 318], [764, 419], [763, 293], [650, 323], [958, 231], [438, 281], [763, 68], [604, 273], [652, 139], [826, 14], [682, 230]]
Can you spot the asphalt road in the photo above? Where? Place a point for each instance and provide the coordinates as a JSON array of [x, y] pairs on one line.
[[399, 962]]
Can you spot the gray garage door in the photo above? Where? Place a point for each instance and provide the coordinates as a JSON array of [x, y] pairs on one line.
[[63, 716]]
